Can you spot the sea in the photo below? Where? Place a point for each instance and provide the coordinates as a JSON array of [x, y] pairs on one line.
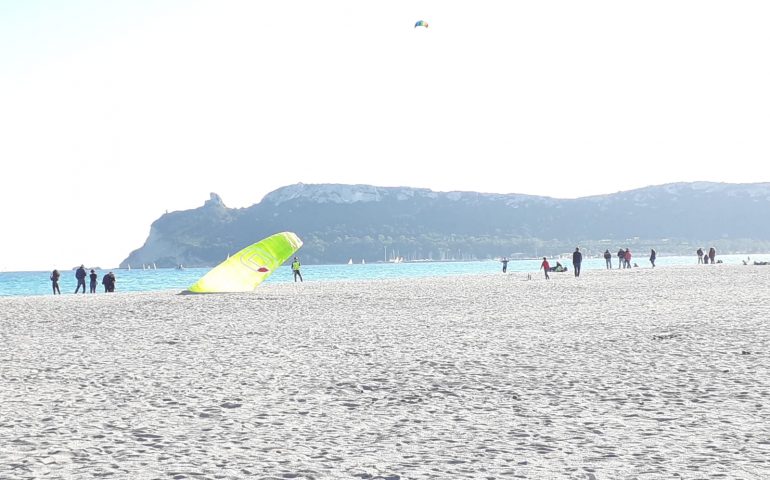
[[138, 280]]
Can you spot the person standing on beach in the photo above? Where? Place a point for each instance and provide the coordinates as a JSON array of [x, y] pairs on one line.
[[92, 285], [108, 280], [505, 264], [621, 257], [55, 281], [700, 255], [295, 268], [545, 266], [608, 259], [577, 259], [712, 254], [653, 255], [80, 275], [627, 257]]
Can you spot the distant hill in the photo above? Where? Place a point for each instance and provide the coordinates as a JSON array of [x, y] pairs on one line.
[[364, 222]]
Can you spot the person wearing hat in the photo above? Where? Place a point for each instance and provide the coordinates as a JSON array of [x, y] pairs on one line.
[[93, 276]]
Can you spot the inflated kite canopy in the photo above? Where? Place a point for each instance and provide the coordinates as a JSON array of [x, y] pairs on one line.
[[421, 23], [245, 270]]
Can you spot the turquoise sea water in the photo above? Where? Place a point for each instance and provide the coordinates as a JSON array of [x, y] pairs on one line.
[[38, 283]]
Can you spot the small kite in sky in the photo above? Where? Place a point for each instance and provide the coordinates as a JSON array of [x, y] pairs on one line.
[[421, 23]]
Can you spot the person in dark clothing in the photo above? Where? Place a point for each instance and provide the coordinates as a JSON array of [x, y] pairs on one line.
[[80, 275], [93, 276], [505, 264], [712, 254], [653, 256], [577, 259], [55, 282], [608, 258], [700, 255], [621, 258], [295, 265], [108, 281]]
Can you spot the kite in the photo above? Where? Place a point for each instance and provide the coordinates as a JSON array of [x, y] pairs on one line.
[[421, 23], [245, 270]]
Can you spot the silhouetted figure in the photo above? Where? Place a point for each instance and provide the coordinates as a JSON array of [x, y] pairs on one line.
[[92, 285], [55, 281], [653, 256], [577, 259], [108, 280], [504, 261], [608, 258], [621, 258], [712, 254], [80, 275], [700, 255], [295, 266], [546, 267]]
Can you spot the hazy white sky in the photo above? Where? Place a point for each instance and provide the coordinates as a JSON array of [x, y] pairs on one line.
[[113, 112]]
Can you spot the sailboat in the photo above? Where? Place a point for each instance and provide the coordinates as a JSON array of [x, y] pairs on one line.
[[350, 262], [363, 261]]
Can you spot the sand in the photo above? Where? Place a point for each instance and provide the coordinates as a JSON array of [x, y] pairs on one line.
[[633, 374]]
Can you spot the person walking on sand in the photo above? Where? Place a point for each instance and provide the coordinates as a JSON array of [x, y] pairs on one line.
[[700, 255], [577, 259], [295, 265], [504, 261], [545, 266], [92, 285], [80, 275], [608, 259], [55, 281], [653, 256], [712, 255], [621, 258]]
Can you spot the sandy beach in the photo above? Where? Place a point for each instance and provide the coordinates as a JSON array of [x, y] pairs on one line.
[[632, 374]]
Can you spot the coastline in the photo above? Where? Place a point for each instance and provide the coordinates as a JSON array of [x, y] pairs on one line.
[[617, 374]]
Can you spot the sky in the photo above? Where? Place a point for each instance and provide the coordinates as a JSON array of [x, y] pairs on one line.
[[114, 112]]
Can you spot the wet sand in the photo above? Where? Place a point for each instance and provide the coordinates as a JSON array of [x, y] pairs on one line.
[[637, 373]]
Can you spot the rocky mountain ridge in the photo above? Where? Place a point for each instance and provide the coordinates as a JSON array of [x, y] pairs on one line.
[[371, 223]]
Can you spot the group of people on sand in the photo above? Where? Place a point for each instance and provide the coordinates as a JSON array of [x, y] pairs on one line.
[[577, 261], [706, 258], [624, 261], [108, 280]]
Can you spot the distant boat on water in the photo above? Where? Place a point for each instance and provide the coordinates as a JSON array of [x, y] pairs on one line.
[[350, 262]]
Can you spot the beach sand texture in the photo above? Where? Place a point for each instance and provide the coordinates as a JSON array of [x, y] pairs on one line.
[[618, 374]]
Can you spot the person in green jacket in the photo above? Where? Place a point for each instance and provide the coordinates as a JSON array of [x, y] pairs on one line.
[[295, 268]]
